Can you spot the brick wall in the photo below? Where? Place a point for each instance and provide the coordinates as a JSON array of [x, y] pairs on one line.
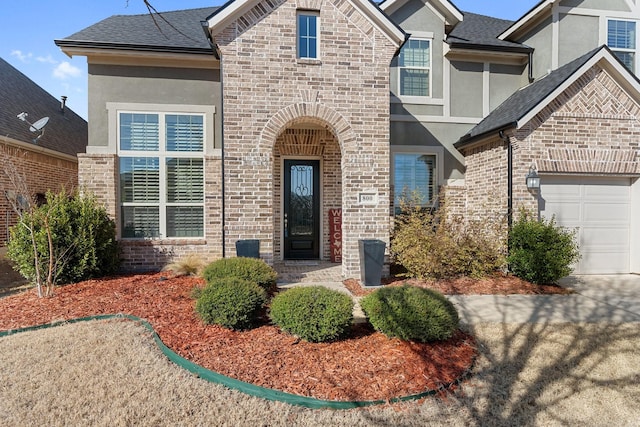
[[267, 90], [592, 128], [98, 174], [39, 171]]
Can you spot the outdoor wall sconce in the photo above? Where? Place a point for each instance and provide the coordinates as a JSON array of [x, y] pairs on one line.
[[533, 179]]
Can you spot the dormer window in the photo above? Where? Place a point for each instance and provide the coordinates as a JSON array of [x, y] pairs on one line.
[[308, 35], [414, 65]]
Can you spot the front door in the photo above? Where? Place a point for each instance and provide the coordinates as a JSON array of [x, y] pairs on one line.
[[301, 221]]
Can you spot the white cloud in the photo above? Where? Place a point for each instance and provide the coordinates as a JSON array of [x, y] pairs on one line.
[[23, 57], [65, 70], [46, 59]]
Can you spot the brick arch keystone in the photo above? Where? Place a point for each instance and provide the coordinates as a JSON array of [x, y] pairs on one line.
[[307, 113]]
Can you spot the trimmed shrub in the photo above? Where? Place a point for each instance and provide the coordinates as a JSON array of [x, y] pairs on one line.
[[434, 245], [251, 269], [315, 313], [411, 313], [541, 252], [83, 240], [230, 302]]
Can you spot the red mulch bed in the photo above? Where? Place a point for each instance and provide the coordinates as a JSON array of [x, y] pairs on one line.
[[498, 284], [365, 366]]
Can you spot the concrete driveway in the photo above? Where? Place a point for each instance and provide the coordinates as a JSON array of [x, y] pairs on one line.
[[606, 299]]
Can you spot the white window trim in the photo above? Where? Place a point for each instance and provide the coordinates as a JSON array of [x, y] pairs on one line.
[[304, 12], [162, 155], [636, 51], [415, 98], [114, 108], [438, 152]]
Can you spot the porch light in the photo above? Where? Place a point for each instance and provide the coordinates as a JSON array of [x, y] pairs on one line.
[[533, 179]]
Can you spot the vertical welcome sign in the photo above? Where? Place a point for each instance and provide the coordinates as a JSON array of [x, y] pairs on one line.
[[335, 234]]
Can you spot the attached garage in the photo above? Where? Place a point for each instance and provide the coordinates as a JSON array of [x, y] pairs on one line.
[[599, 208]]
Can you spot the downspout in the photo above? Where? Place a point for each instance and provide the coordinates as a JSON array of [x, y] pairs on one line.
[[507, 141], [216, 53], [531, 66]]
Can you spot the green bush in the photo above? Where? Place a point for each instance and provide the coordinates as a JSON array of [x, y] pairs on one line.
[[251, 269], [230, 302], [541, 252], [83, 240], [436, 245], [411, 313], [314, 313]]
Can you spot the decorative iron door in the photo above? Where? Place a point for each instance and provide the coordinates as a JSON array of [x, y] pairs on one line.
[[301, 222]]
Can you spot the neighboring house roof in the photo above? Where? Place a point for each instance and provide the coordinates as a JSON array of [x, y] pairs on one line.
[[524, 104], [176, 31], [451, 13], [481, 32], [65, 133], [233, 9]]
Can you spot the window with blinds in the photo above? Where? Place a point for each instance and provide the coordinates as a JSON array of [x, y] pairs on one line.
[[414, 65], [414, 172], [161, 175], [621, 38]]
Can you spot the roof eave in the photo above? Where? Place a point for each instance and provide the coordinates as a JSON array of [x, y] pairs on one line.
[[468, 140], [491, 48], [78, 44], [523, 22]]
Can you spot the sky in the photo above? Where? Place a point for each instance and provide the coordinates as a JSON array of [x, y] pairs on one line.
[[29, 27]]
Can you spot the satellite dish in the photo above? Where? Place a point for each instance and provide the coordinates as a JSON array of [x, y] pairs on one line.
[[39, 125]]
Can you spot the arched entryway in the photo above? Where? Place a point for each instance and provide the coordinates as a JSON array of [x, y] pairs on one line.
[[307, 186]]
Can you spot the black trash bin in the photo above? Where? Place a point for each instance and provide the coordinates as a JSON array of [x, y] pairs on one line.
[[249, 248], [371, 261]]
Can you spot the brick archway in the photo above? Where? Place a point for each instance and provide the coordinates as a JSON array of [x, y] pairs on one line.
[[306, 113]]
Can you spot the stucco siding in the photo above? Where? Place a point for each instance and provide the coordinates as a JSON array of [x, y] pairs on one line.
[[578, 34], [466, 89], [620, 5], [504, 80], [149, 85], [541, 39]]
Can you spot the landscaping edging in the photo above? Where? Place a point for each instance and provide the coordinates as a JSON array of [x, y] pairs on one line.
[[241, 386]]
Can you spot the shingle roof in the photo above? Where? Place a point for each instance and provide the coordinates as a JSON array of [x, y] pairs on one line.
[[65, 133], [482, 31], [177, 31], [526, 99]]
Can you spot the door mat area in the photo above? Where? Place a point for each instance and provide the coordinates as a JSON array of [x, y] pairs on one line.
[[301, 263]]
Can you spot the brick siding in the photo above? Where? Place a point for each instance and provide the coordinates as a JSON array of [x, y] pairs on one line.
[[267, 91], [39, 171]]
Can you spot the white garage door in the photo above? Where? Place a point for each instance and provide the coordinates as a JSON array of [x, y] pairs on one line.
[[600, 209]]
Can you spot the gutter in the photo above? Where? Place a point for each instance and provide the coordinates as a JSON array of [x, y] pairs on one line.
[[133, 47], [468, 140]]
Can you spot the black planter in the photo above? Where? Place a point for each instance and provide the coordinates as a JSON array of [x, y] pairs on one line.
[[371, 261], [249, 248]]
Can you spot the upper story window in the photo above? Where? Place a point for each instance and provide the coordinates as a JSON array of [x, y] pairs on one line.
[[414, 66], [308, 23], [621, 38], [161, 175]]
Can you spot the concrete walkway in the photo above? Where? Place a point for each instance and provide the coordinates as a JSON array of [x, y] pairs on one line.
[[606, 299]]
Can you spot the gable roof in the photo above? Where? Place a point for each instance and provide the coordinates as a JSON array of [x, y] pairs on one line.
[[536, 13], [481, 32], [524, 104], [233, 9], [65, 133], [177, 31], [451, 13]]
